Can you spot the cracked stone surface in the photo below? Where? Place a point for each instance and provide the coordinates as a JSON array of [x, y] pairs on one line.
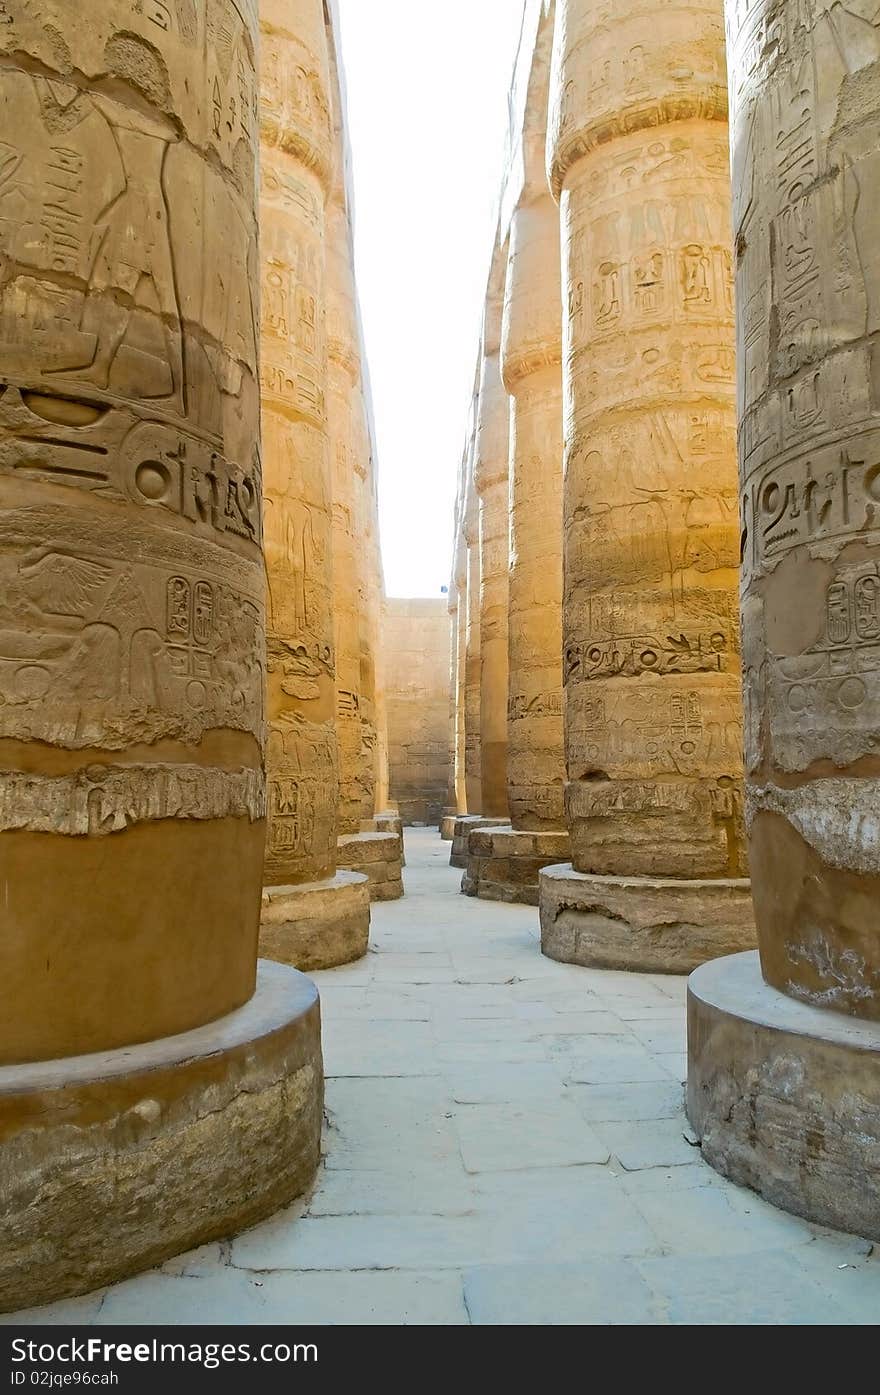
[[505, 1144]]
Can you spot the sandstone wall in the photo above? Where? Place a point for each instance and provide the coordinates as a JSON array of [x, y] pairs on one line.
[[416, 649]]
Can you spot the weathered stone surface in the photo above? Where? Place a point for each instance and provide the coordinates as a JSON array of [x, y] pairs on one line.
[[472, 660], [416, 645], [115, 1161], [503, 864], [531, 358], [808, 279], [296, 169], [131, 576], [491, 484], [785, 1097], [316, 925], [387, 823], [447, 827], [461, 830], [531, 366], [352, 485], [648, 924], [378, 856], [638, 158], [783, 1085], [457, 796]]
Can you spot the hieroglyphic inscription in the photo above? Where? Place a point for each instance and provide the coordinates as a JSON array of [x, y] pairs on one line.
[[103, 799], [295, 162], [132, 642], [650, 649], [806, 174]]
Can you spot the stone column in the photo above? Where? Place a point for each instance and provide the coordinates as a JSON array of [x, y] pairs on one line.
[[141, 1052], [503, 864], [349, 455], [361, 845], [355, 541], [638, 157], [472, 695], [473, 783], [491, 483], [784, 1070], [459, 695], [383, 801], [457, 661], [369, 588], [450, 808], [312, 916]]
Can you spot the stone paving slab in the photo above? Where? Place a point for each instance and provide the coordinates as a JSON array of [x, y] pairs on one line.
[[505, 1144]]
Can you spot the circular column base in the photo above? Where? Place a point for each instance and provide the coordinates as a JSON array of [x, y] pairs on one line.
[[447, 827], [316, 925], [378, 857], [503, 863], [461, 831], [114, 1162], [785, 1097], [388, 823], [647, 924]]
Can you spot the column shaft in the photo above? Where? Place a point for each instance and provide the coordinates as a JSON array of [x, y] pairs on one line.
[[491, 482], [807, 185], [132, 797], [651, 528], [296, 164]]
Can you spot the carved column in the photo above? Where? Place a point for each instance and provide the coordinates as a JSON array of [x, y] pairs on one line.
[[349, 453], [471, 699], [638, 157], [491, 483], [312, 916], [132, 793], [805, 105], [503, 864], [459, 695], [450, 808], [362, 846], [472, 659], [457, 795]]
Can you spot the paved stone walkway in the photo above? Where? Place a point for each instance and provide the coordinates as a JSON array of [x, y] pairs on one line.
[[505, 1145]]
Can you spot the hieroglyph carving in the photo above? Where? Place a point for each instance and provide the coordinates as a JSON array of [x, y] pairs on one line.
[[295, 169], [132, 651], [651, 548], [127, 373], [805, 90]]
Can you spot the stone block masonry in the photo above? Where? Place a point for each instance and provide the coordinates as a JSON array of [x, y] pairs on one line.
[[416, 648]]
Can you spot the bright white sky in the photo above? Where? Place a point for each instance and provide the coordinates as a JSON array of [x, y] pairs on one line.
[[427, 88]]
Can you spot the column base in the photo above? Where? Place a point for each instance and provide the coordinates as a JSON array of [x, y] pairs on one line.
[[113, 1162], [378, 856], [785, 1097], [447, 827], [461, 830], [388, 822], [646, 924], [316, 925], [503, 863]]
